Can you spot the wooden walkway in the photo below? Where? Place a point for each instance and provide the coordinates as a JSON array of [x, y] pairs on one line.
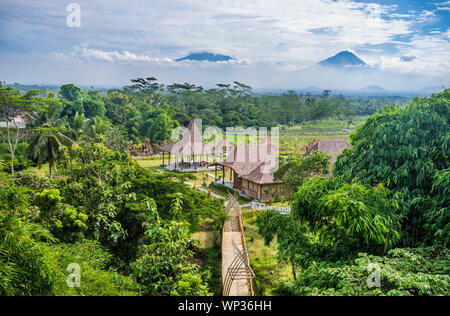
[[237, 274]]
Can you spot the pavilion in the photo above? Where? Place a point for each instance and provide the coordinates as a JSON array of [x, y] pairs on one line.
[[189, 151], [222, 147]]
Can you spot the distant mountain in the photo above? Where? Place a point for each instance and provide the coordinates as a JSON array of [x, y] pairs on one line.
[[376, 89], [205, 56], [344, 59]]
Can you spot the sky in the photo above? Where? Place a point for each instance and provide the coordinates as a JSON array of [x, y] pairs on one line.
[[275, 43]]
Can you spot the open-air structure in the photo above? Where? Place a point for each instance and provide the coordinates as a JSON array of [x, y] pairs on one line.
[[189, 151], [222, 147]]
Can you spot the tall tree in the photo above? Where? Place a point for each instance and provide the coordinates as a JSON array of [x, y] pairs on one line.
[[13, 105], [407, 148], [78, 128], [296, 169], [49, 134]]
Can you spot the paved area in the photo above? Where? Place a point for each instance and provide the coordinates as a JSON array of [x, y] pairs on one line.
[[192, 168], [231, 232]]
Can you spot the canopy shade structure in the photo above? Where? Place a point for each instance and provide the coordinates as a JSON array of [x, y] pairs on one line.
[[190, 144], [190, 151]]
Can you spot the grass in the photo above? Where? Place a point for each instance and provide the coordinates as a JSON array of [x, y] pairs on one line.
[[209, 254], [269, 272], [212, 260], [294, 138], [150, 163], [43, 171]]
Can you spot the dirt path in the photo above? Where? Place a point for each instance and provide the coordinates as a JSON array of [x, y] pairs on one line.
[[231, 232]]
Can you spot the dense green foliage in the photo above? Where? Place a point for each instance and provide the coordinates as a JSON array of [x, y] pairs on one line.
[[147, 109], [129, 228], [403, 272], [235, 105], [33, 263], [163, 264], [407, 149], [294, 170], [348, 216], [390, 189], [331, 220], [94, 213]]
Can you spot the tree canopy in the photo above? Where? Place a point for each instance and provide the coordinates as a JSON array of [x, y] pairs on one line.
[[407, 148]]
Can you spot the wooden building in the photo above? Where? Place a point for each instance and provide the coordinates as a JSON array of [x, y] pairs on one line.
[[332, 148], [251, 169]]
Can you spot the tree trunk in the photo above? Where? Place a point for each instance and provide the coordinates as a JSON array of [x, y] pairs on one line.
[[11, 151], [12, 147], [50, 162], [50, 169], [294, 274], [12, 163]]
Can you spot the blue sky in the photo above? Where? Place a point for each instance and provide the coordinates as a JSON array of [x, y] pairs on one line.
[[274, 42]]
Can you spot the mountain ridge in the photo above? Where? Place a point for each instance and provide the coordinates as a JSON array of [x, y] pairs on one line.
[[343, 59], [206, 56]]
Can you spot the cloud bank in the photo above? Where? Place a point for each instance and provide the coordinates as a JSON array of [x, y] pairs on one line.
[[275, 39]]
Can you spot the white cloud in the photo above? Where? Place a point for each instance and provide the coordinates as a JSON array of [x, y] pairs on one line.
[[444, 6], [432, 56], [253, 29], [83, 51], [284, 35]]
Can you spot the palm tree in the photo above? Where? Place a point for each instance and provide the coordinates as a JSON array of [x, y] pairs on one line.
[[79, 127], [49, 136], [97, 128]]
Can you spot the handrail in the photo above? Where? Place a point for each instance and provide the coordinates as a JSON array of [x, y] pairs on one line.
[[240, 268]]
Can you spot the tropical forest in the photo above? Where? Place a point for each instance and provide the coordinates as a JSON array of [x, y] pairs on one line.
[[373, 222]]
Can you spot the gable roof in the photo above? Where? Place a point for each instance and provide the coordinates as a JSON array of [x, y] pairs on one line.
[[332, 148], [252, 153], [246, 158], [261, 174]]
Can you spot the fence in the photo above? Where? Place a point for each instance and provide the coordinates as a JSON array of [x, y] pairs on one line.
[[238, 270], [261, 206]]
